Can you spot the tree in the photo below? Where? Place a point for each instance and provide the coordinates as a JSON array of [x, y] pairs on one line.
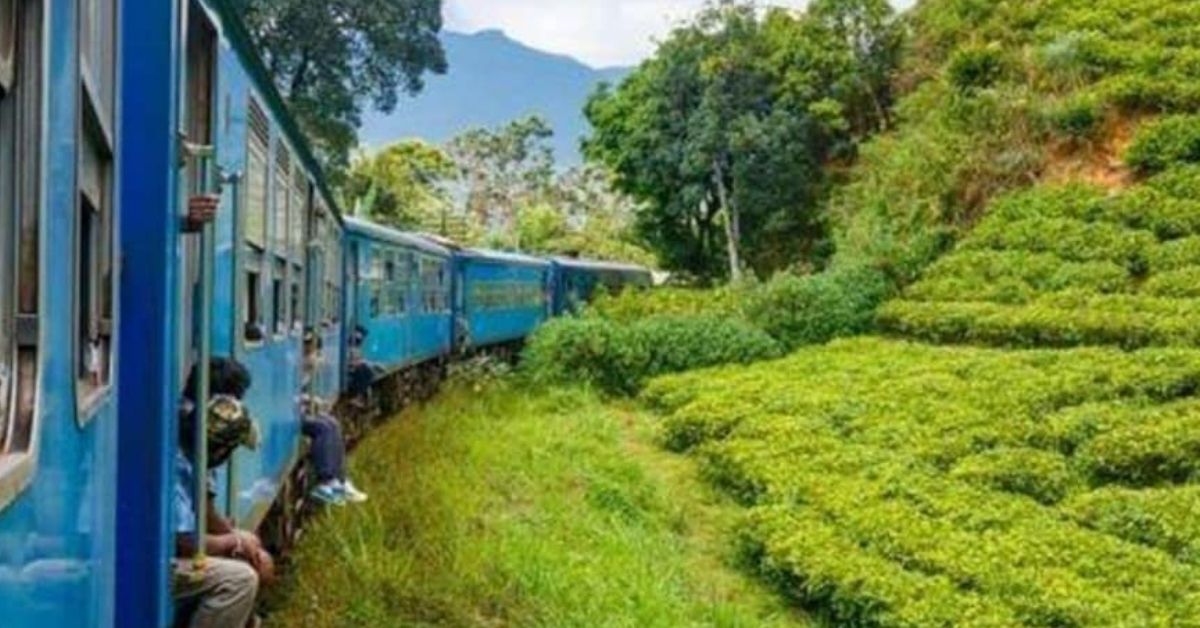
[[726, 133], [504, 170], [405, 185], [331, 58]]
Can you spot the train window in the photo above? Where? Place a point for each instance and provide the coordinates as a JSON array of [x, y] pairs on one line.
[[252, 315], [94, 217], [279, 321], [281, 198], [8, 45], [433, 287], [301, 209], [20, 147], [259, 138], [97, 31]]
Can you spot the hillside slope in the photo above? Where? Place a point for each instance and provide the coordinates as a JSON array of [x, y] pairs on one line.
[[1005, 95], [493, 80]]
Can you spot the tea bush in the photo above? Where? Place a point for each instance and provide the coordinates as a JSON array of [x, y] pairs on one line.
[[800, 311], [897, 484], [1164, 143]]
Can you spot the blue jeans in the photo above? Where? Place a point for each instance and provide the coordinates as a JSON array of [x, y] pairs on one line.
[[328, 447]]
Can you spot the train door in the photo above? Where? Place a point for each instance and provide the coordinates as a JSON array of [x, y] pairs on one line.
[[196, 176]]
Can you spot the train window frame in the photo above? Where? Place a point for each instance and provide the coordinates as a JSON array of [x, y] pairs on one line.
[[22, 194], [279, 316], [333, 276], [258, 176], [94, 233]]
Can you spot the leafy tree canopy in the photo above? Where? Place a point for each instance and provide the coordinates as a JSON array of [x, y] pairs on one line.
[[726, 134], [333, 58], [405, 184]]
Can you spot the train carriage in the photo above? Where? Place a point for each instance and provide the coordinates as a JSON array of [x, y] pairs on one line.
[[499, 298], [59, 319], [401, 295], [577, 282]]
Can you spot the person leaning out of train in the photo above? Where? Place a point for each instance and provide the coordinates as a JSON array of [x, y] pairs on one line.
[[220, 589], [328, 451]]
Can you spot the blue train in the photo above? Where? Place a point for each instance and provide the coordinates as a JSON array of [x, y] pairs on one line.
[[112, 115]]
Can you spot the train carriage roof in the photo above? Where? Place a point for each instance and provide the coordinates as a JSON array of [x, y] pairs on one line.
[[585, 264], [503, 257], [387, 234]]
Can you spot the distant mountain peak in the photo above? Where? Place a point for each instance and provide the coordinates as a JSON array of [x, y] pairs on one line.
[[493, 79]]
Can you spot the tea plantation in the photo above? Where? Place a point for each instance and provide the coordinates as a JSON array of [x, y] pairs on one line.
[[1069, 266], [900, 484]]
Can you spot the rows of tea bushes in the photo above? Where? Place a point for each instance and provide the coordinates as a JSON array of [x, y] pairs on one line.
[[1069, 266], [890, 483]]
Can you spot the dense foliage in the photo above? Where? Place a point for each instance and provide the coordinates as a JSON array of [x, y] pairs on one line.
[[498, 188], [726, 133], [897, 484], [619, 358], [1002, 95], [1066, 266], [331, 59]]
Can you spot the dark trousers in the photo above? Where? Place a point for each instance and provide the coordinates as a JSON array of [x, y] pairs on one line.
[[328, 447]]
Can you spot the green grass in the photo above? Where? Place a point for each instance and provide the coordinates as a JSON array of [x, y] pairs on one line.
[[494, 507]]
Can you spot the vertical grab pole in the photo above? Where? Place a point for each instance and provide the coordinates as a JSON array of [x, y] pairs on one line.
[[233, 180], [203, 316]]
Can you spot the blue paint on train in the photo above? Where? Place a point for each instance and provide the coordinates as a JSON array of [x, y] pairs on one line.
[[576, 282], [58, 467]]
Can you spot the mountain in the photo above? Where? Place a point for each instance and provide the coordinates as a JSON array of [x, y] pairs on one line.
[[492, 80]]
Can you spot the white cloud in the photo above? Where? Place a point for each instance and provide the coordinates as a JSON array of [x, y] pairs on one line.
[[597, 32]]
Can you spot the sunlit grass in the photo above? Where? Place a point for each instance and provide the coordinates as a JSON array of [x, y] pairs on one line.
[[503, 508]]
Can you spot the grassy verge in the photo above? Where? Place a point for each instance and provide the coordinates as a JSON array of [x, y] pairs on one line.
[[495, 508]]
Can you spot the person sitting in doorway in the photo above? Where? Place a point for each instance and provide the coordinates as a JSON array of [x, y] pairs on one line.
[[215, 579], [362, 373], [328, 451]]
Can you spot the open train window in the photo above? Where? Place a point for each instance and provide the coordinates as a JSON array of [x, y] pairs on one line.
[[252, 314], [8, 45], [94, 217], [20, 211], [279, 298]]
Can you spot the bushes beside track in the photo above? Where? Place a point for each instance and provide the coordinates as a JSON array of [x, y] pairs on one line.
[[619, 357], [623, 340]]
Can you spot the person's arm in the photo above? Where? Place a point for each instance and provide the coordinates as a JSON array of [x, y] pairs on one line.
[[221, 545], [217, 525]]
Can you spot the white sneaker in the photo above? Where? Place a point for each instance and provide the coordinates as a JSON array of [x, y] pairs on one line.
[[351, 493]]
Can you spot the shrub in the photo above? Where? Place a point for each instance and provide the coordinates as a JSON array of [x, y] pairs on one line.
[[619, 358], [1078, 118], [977, 67], [1042, 475], [1161, 518], [813, 309], [1164, 143], [1166, 451]]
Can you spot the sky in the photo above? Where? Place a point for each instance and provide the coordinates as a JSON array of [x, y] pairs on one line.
[[601, 33]]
